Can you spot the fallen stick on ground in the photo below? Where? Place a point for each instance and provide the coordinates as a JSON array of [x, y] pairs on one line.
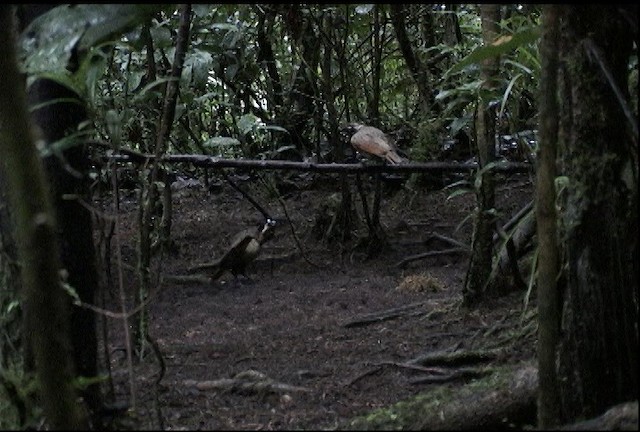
[[245, 382], [385, 315]]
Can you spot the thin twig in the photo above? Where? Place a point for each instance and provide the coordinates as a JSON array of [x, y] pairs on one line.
[[291, 227], [249, 198]]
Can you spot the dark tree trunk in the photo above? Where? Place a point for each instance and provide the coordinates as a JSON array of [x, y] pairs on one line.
[[598, 355], [548, 296], [266, 57], [373, 108], [417, 69], [305, 90], [67, 173], [452, 32], [344, 219], [70, 190], [46, 307]]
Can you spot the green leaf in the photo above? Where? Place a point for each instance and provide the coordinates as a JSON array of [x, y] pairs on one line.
[[275, 128], [224, 26], [111, 20], [59, 147], [285, 148], [519, 65], [198, 64], [161, 36], [221, 141], [506, 94], [114, 125], [364, 9], [46, 44], [502, 45], [201, 10], [247, 122], [139, 97], [231, 71], [82, 382], [458, 123]]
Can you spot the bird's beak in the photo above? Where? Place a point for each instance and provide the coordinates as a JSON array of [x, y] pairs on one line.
[[270, 223]]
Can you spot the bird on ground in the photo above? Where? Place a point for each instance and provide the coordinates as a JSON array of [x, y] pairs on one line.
[[245, 247], [371, 140]]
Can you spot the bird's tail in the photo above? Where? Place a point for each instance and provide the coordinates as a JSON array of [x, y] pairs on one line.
[[394, 158], [205, 267], [216, 274]]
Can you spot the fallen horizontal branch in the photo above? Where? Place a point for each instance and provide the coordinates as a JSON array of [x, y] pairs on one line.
[[515, 219], [420, 256], [231, 384], [216, 162], [457, 358], [385, 315]]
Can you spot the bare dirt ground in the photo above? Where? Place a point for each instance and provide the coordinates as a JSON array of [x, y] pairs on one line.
[[294, 324]]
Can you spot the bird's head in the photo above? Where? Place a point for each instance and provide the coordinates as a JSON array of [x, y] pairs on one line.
[[267, 230], [349, 129]]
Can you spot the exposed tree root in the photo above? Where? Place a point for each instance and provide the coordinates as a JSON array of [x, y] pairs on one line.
[[425, 364], [504, 400], [620, 417]]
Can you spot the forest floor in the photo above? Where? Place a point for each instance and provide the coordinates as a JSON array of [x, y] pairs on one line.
[[299, 334]]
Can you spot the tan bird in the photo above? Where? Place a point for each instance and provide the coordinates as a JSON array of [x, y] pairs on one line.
[[244, 248], [371, 140]]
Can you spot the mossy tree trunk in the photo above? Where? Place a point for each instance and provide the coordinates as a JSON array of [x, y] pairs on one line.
[[484, 217], [598, 352]]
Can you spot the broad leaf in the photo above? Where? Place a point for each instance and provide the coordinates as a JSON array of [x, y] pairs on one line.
[[502, 45], [47, 43]]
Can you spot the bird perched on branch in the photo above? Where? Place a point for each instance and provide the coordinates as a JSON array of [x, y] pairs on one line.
[[371, 140], [245, 247]]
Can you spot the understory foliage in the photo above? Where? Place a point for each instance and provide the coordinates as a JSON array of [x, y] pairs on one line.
[[252, 81]]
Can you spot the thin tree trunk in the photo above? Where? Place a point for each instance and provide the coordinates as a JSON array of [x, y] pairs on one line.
[[417, 69], [148, 203], [482, 242], [548, 294], [266, 57], [373, 109]]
